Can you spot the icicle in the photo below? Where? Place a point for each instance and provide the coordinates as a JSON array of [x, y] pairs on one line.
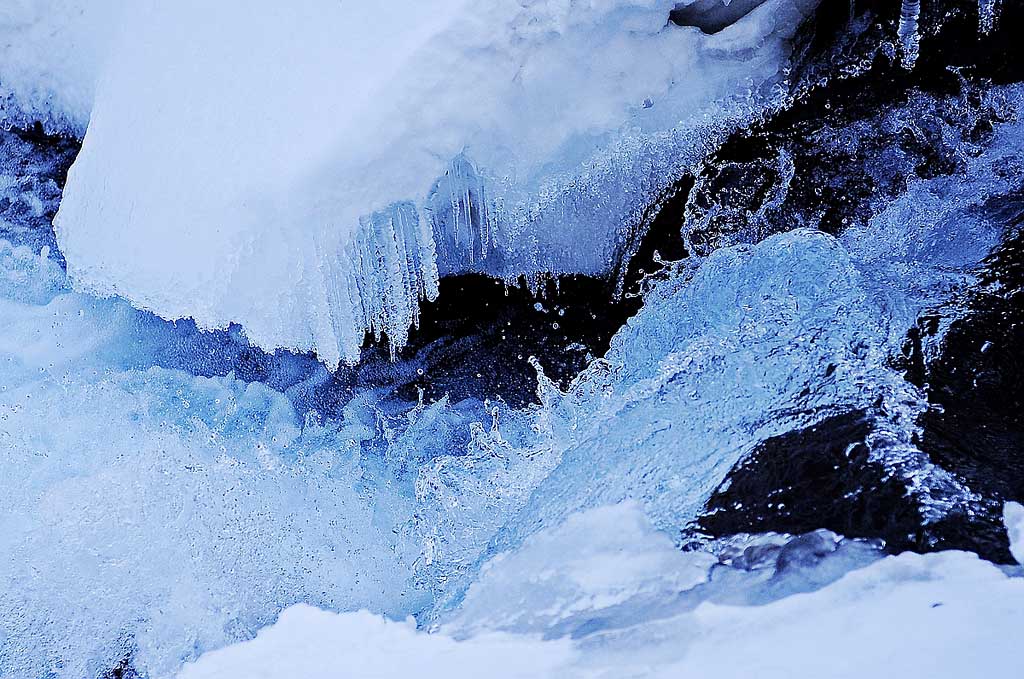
[[907, 31], [393, 268], [460, 216], [988, 15]]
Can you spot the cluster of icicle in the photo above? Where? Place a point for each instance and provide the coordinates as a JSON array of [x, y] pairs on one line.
[[909, 34]]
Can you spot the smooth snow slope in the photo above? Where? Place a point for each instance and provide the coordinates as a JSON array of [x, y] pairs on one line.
[[308, 171]]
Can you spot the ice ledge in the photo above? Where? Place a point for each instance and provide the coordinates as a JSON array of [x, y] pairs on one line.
[[309, 174]]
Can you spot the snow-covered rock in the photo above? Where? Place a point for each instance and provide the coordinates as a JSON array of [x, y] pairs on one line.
[[308, 172]]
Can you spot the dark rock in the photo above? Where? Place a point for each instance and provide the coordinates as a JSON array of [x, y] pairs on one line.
[[824, 477], [711, 16], [974, 374]]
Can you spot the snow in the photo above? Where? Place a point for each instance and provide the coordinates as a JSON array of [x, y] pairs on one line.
[[939, 615], [367, 646], [51, 54], [299, 171], [1013, 513]]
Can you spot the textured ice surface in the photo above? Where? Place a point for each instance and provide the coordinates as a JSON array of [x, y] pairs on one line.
[[941, 615], [150, 512], [789, 329], [908, 32], [194, 509], [297, 171]]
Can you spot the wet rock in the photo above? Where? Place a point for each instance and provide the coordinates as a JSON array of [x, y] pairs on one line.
[[973, 373], [823, 476]]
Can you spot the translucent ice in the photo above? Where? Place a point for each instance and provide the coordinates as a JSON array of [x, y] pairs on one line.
[[909, 33]]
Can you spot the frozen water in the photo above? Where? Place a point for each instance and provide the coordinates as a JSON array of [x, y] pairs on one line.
[[988, 15], [790, 329], [151, 512], [1014, 517], [155, 513], [940, 615], [308, 173], [194, 509], [608, 558], [908, 32]]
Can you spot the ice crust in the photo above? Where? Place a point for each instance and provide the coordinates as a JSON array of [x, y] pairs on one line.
[[309, 172]]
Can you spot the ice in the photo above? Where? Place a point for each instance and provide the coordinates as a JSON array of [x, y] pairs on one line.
[[240, 161], [153, 513], [196, 508], [790, 329], [908, 32], [988, 15], [1014, 517], [155, 505], [941, 615], [608, 558]]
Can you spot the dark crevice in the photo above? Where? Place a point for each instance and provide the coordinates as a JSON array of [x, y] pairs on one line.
[[973, 374], [823, 477], [712, 16]]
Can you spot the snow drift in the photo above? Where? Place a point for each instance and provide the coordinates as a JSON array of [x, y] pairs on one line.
[[310, 171]]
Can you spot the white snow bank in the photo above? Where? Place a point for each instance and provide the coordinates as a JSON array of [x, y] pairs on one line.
[[308, 171], [311, 643], [940, 615]]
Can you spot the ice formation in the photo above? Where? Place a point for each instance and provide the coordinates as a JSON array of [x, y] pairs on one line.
[[195, 509], [159, 509], [988, 15], [1014, 516], [940, 615], [300, 171], [908, 32]]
